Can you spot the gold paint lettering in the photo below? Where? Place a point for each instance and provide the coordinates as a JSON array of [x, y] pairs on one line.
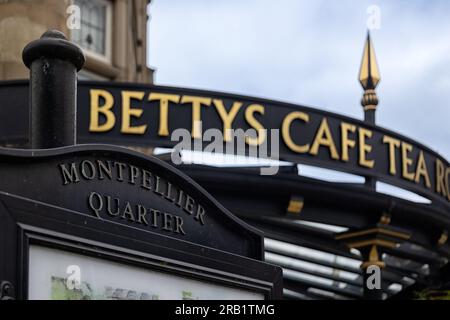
[[422, 170], [197, 103], [105, 109], [440, 178], [255, 124], [164, 100], [227, 117], [128, 113], [285, 131], [406, 162], [345, 141], [324, 138], [393, 144], [365, 148]]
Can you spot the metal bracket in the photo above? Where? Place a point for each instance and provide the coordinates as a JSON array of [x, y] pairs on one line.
[[6, 291]]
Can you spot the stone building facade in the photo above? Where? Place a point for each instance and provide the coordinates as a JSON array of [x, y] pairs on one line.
[[112, 33]]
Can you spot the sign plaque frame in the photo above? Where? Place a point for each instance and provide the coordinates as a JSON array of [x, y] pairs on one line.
[[37, 216]]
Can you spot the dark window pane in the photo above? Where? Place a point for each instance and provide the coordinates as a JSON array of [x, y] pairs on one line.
[[92, 35]]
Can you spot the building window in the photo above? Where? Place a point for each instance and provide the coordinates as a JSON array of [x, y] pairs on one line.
[[95, 32]]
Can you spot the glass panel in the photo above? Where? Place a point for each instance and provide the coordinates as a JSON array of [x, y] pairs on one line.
[[92, 35], [62, 275]]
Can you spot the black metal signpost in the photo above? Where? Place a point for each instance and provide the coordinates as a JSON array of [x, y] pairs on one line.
[[153, 229]]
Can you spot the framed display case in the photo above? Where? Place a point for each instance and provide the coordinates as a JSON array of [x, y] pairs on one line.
[[53, 245]]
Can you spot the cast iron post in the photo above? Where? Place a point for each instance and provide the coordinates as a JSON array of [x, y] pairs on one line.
[[53, 62]]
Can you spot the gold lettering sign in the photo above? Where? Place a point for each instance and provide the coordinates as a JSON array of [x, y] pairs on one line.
[[365, 148], [128, 113], [197, 103], [104, 110], [286, 131], [255, 124], [347, 143], [341, 144], [393, 145], [440, 178], [227, 117], [324, 139], [164, 100]]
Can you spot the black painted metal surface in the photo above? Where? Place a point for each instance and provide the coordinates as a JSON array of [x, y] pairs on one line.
[[14, 132], [53, 62]]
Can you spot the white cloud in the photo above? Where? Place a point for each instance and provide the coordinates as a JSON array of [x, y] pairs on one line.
[[308, 52]]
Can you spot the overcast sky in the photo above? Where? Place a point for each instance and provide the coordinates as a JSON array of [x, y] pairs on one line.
[[309, 52]]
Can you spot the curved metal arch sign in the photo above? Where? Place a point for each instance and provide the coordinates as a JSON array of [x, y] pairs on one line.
[[147, 116]]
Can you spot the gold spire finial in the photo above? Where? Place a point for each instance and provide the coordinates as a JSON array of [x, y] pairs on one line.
[[369, 76]]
